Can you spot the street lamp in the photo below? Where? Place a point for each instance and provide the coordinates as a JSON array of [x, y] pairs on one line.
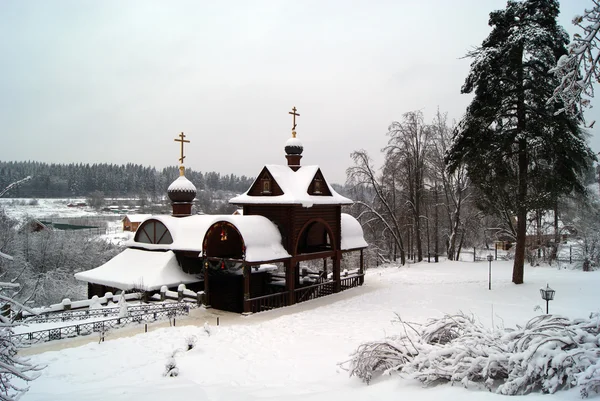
[[547, 295], [490, 258]]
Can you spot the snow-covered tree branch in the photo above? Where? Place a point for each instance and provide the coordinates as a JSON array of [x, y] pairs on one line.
[[578, 70]]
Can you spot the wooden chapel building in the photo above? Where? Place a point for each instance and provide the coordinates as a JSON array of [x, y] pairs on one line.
[[285, 247]]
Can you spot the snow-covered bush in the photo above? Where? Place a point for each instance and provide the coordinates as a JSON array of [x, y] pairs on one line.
[[191, 342], [549, 353], [171, 369]]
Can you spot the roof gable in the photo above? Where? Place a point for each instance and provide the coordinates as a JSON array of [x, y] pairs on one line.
[[318, 186], [265, 185], [297, 188]]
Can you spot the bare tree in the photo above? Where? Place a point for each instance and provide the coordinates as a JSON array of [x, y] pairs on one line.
[[380, 208], [408, 147]]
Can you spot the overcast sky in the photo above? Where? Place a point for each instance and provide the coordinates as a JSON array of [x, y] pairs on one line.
[[116, 81]]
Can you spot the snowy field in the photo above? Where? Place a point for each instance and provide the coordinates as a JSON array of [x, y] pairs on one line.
[[293, 353], [19, 208]]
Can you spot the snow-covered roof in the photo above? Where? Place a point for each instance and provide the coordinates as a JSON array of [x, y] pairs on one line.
[[137, 218], [352, 233], [135, 268], [294, 185], [5, 256], [261, 236], [294, 142]]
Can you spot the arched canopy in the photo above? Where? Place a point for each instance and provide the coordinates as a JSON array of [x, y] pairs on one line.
[[259, 236], [315, 236], [352, 234], [223, 240]]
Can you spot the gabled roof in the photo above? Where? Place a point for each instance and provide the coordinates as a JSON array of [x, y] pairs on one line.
[[137, 218], [295, 185]]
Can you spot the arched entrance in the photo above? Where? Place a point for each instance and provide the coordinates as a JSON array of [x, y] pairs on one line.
[[315, 236], [224, 252]]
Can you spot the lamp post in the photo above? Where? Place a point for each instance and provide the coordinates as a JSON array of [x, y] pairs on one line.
[[547, 295], [490, 258]]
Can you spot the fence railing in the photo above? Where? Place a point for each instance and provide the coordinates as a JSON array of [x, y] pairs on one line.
[[268, 302], [169, 311], [314, 291], [94, 313], [351, 282]]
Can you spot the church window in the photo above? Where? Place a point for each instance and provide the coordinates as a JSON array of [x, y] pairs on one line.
[[153, 232]]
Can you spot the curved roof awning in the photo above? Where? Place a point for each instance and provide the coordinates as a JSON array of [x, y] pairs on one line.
[[352, 234], [260, 235]]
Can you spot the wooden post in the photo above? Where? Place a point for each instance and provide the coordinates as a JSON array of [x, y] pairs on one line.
[[361, 269], [337, 261], [290, 267], [206, 285], [246, 268], [324, 269]]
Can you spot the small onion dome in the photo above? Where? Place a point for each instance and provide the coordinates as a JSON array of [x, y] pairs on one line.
[[293, 146], [182, 189]]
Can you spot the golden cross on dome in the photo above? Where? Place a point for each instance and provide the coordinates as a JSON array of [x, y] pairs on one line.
[[182, 140], [293, 113]]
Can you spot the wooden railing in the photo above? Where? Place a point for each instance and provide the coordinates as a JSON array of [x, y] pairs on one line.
[[313, 291], [350, 282], [268, 302]]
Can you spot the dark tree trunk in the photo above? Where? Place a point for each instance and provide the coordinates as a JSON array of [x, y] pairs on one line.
[[519, 265]]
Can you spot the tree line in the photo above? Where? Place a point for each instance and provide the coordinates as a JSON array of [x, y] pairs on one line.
[[127, 180]]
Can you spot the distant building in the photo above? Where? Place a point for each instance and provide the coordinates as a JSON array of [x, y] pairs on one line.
[[131, 222]]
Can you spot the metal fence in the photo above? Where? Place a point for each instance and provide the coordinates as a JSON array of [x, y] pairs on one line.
[[167, 311], [93, 313]]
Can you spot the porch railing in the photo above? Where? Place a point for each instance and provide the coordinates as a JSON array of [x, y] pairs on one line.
[[351, 282], [313, 291], [268, 302]]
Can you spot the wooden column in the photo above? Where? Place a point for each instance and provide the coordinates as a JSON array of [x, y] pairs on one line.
[[290, 280], [247, 273], [206, 287], [324, 269], [361, 268], [337, 261]]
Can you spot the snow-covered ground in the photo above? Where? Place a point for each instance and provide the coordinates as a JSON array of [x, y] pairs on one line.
[[19, 208], [293, 353]]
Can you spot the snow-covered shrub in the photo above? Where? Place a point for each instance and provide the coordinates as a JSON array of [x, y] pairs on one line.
[[171, 369], [123, 312], [549, 353], [191, 342], [207, 328]]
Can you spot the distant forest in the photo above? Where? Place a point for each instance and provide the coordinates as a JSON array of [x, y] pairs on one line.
[[130, 180]]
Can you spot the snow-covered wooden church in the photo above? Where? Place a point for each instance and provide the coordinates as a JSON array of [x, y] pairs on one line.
[[286, 247]]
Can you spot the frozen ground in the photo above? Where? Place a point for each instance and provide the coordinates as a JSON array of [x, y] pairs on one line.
[[293, 353], [19, 208]]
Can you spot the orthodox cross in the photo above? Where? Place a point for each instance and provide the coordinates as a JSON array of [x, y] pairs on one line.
[[293, 113], [181, 136]]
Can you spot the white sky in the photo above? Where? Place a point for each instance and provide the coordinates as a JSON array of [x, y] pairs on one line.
[[116, 81]]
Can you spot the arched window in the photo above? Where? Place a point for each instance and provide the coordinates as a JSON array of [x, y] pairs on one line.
[[153, 232]]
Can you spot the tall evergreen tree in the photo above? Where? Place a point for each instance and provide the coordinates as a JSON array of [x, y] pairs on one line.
[[518, 153]]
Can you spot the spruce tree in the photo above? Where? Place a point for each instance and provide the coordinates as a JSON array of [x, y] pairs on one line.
[[518, 153]]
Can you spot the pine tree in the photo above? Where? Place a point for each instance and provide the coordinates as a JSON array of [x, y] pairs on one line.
[[518, 153]]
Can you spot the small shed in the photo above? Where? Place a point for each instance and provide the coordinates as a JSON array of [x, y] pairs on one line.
[[131, 222]]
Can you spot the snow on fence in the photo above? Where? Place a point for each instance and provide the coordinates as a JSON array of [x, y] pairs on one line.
[[94, 302], [146, 313], [182, 294]]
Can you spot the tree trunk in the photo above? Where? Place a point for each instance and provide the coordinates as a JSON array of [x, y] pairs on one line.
[[519, 265]]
